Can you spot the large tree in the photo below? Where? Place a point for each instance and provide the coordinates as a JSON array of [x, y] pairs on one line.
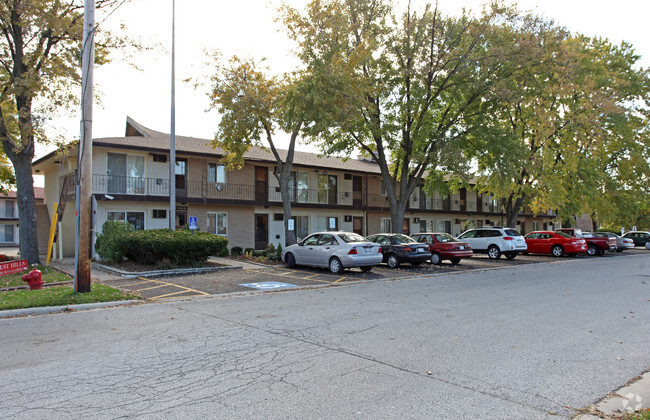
[[398, 88], [40, 47], [568, 132], [254, 107]]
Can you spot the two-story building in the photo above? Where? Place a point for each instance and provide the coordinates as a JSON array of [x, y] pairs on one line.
[[131, 183], [9, 220]]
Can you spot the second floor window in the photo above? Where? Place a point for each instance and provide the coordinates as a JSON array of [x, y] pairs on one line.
[[125, 174], [299, 187], [216, 173], [7, 209], [327, 189]]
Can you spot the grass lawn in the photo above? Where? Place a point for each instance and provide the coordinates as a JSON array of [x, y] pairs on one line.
[[51, 276], [59, 296]]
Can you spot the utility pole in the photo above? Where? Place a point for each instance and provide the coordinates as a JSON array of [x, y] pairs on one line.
[[84, 160], [172, 139]]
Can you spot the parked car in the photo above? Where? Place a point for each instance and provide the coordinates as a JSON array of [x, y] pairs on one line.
[[398, 248], [621, 243], [334, 250], [555, 243], [495, 241], [443, 246], [596, 245], [640, 238]]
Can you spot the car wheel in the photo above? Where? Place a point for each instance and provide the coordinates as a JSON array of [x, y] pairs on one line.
[[511, 255], [557, 251], [393, 261], [455, 260], [291, 261], [336, 266], [366, 269], [435, 258], [493, 252], [592, 250]]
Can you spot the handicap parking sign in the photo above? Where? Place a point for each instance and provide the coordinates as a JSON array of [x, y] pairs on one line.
[[268, 285], [193, 223]]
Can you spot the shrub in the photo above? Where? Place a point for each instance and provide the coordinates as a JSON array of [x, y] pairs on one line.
[[236, 251], [176, 248], [108, 244], [270, 249]]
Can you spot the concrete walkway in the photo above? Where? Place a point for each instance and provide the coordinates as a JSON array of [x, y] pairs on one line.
[[634, 396]]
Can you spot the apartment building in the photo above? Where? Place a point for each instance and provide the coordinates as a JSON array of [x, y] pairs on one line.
[[131, 183]]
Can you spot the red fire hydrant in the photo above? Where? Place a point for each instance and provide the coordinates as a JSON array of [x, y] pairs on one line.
[[33, 278]]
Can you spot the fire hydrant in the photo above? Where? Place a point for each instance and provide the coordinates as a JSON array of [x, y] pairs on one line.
[[33, 278]]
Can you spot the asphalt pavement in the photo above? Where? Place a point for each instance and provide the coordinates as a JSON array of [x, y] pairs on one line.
[[528, 341]]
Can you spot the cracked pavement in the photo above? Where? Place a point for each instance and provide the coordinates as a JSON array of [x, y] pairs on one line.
[[533, 341]]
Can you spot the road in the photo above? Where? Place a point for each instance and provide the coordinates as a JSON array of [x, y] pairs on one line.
[[528, 341]]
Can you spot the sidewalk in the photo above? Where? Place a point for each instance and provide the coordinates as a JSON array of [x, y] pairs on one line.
[[634, 396]]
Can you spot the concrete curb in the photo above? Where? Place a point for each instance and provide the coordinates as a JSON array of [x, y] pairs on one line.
[[44, 310], [131, 274], [634, 396]]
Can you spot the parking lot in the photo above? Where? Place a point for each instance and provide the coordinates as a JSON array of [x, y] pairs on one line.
[[273, 278]]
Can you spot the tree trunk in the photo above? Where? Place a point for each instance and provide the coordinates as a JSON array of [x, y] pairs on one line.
[[28, 237], [512, 208], [289, 235]]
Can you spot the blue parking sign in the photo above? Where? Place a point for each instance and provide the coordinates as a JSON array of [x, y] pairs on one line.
[[193, 223]]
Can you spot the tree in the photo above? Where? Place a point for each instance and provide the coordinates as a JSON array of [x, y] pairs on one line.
[[254, 106], [397, 88], [567, 132], [40, 49]]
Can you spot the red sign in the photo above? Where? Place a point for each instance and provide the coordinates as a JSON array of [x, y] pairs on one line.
[[11, 267]]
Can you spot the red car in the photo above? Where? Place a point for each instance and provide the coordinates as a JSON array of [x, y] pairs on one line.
[[444, 247], [555, 243]]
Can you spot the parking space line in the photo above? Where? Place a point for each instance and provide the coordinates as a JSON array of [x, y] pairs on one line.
[[152, 287], [178, 293], [163, 283], [340, 279]]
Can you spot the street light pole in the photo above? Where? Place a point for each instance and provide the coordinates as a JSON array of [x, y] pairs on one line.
[[172, 140]]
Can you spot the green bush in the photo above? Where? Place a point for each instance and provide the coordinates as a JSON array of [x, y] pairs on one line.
[[108, 244], [236, 251], [172, 248]]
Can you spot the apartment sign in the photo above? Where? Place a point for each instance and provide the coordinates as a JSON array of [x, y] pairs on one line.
[[11, 267]]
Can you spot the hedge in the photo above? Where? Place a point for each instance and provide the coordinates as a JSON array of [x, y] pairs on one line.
[[179, 247]]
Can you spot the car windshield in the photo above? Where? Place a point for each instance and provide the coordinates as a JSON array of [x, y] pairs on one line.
[[403, 239], [564, 235], [512, 232], [444, 238], [351, 237]]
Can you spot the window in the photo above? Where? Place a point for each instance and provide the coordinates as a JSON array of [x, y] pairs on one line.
[[535, 226], [216, 173], [7, 209], [218, 223], [159, 214], [327, 223], [382, 187], [327, 189], [426, 225], [134, 218], [7, 233], [125, 174], [160, 158], [385, 225], [299, 187], [301, 225]]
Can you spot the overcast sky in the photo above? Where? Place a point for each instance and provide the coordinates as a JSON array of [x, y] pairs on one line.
[[248, 28]]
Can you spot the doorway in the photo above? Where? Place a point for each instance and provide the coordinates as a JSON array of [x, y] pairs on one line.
[[261, 231]]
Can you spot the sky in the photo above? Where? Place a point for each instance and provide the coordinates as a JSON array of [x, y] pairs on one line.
[[248, 28]]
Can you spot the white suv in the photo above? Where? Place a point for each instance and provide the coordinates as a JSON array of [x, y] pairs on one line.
[[495, 241]]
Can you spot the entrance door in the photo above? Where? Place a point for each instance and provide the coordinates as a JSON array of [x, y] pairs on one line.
[[261, 231], [181, 218], [357, 191], [261, 184], [357, 224]]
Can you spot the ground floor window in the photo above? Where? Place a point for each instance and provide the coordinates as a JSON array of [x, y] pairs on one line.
[[426, 225], [134, 218], [327, 223], [385, 225], [7, 233], [444, 226], [218, 223], [301, 226]]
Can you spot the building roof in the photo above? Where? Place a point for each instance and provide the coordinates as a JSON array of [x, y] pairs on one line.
[[39, 194], [139, 137]]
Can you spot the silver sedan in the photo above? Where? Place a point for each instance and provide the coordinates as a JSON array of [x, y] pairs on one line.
[[334, 250]]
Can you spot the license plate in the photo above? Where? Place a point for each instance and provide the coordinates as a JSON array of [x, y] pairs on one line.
[[368, 250], [461, 247], [519, 241], [420, 250]]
